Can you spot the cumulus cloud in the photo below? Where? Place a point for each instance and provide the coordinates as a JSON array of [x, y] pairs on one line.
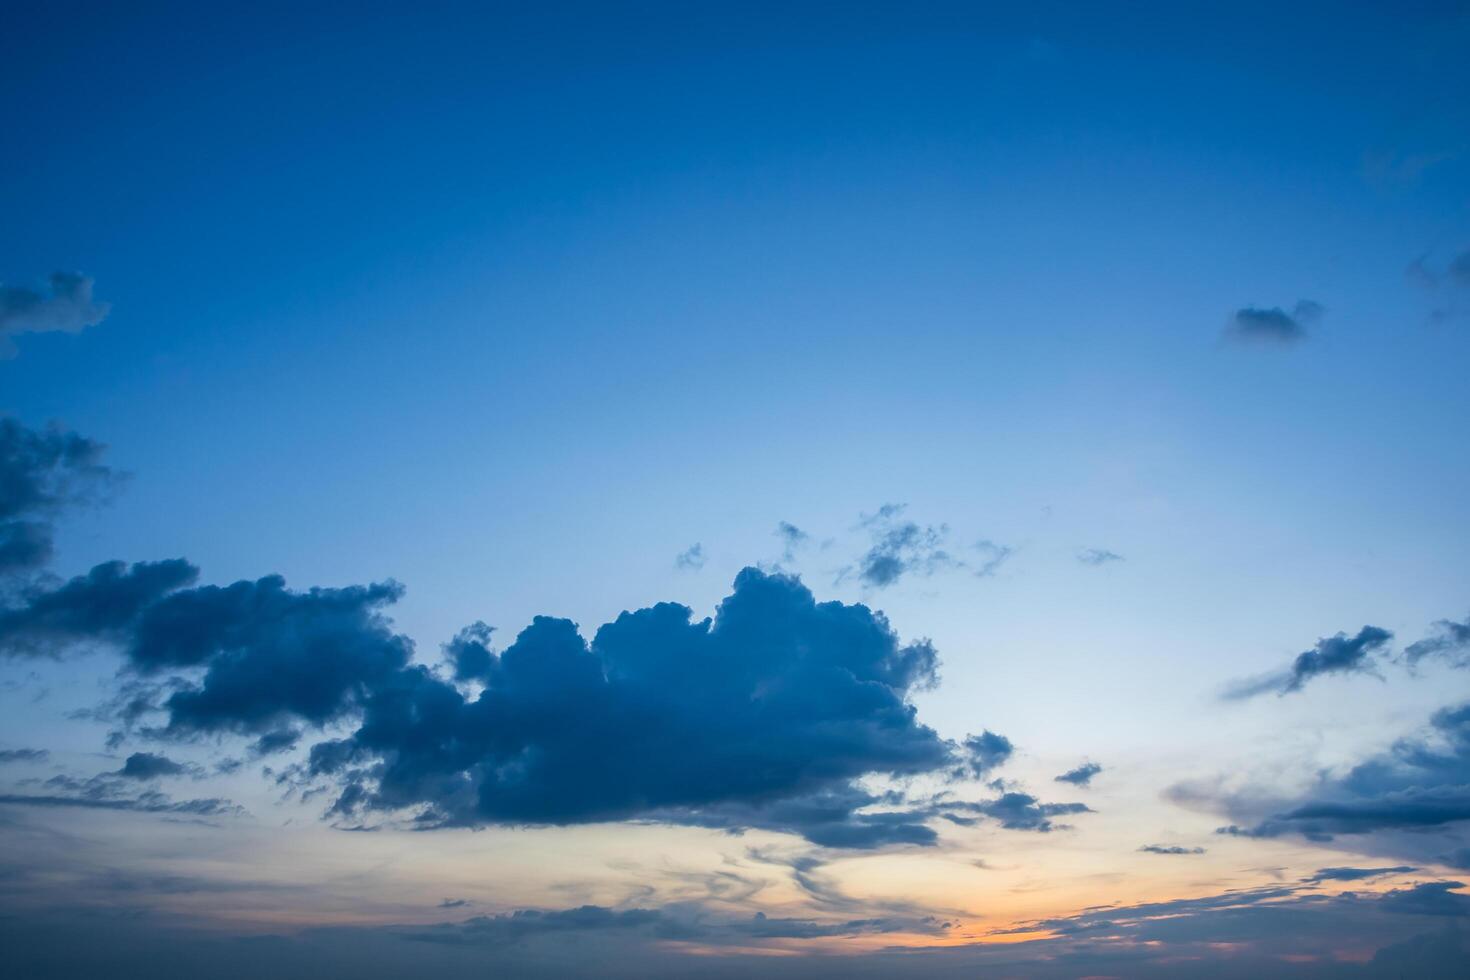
[[1273, 325], [100, 607], [762, 716], [68, 307], [41, 472], [1340, 654], [986, 751], [23, 755], [691, 559], [1097, 556], [1081, 776], [1170, 849]]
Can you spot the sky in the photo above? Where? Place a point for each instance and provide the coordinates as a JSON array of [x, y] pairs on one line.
[[812, 490]]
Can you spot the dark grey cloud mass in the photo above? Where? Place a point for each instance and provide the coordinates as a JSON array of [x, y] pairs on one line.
[[1274, 325], [68, 307], [41, 473], [761, 717], [1170, 849], [1081, 776], [23, 755], [1340, 654]]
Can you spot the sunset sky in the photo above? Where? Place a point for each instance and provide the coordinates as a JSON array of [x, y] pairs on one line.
[[702, 490]]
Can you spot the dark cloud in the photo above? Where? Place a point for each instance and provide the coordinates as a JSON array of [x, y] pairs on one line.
[[1340, 654], [1420, 784], [146, 765], [901, 547], [1081, 776], [1274, 325], [1450, 642], [469, 654], [41, 472], [1170, 849], [23, 755], [453, 903], [102, 606], [69, 308], [1019, 811], [759, 717], [148, 802], [1097, 556], [986, 751], [270, 654], [282, 740], [1358, 874], [691, 559]]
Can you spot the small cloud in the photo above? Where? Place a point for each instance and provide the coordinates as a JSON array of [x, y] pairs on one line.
[[1450, 642], [992, 557], [23, 755], [146, 765], [792, 538], [986, 751], [901, 547], [1098, 556], [1169, 849], [1274, 325], [1358, 874], [691, 559], [454, 903], [68, 308], [1081, 776], [1340, 654]]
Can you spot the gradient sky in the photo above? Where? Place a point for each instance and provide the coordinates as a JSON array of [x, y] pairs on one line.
[[1118, 351]]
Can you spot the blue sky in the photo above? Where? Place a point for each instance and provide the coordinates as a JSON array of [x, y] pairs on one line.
[[515, 307]]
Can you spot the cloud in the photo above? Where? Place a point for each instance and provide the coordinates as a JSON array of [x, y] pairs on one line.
[[1081, 776], [41, 473], [1450, 643], [1358, 874], [992, 557], [901, 547], [1275, 325], [986, 751], [1419, 784], [1097, 556], [683, 921], [1021, 811], [1174, 849], [1340, 654], [23, 755], [469, 654], [691, 559], [146, 766], [69, 308], [760, 717], [792, 538], [100, 607]]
